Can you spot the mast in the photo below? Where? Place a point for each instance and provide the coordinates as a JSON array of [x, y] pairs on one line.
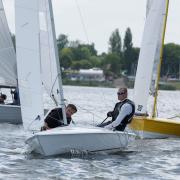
[[59, 78], [160, 63]]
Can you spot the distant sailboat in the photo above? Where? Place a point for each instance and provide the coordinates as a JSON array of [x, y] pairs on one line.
[[146, 124], [8, 71], [36, 44]]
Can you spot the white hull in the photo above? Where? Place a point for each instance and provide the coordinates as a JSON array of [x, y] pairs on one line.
[[10, 114], [64, 139]]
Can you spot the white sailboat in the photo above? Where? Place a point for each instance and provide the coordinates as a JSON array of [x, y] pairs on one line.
[[146, 124], [8, 71], [35, 34]]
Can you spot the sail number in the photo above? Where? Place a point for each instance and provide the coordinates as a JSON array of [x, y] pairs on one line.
[[139, 108]]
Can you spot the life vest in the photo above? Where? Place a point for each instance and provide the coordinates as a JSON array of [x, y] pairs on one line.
[[127, 118]]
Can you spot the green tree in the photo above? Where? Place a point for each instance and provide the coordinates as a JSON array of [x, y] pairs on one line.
[[62, 41], [95, 61], [134, 59], [83, 51], [127, 51], [82, 64], [115, 44], [90, 47], [74, 44], [66, 57], [112, 64], [171, 60]]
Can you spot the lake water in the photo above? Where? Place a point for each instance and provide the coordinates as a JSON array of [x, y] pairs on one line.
[[143, 159]]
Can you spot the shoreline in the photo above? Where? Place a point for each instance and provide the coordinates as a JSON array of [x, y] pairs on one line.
[[169, 85]]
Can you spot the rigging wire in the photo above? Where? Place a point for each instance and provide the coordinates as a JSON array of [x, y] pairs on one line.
[[87, 39], [88, 111], [82, 21], [106, 103]]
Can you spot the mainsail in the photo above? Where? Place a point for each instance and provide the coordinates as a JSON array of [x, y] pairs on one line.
[[148, 6], [38, 62], [149, 54], [157, 54], [8, 70], [28, 63]]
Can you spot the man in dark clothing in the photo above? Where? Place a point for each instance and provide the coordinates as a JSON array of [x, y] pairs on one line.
[[122, 114], [55, 117], [16, 99]]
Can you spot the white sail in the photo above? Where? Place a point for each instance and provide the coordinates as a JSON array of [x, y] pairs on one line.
[[49, 66], [148, 53], [49, 56], [157, 54], [28, 60], [148, 6], [8, 70]]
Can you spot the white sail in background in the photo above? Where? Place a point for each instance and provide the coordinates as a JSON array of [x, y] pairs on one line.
[[157, 54], [8, 70], [28, 60], [49, 66], [150, 42]]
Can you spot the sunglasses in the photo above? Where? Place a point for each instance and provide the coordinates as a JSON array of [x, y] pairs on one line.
[[120, 93]]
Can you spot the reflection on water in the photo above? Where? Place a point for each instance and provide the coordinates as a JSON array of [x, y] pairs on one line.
[[143, 159]]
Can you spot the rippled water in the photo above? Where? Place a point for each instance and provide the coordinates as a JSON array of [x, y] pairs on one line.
[[143, 159]]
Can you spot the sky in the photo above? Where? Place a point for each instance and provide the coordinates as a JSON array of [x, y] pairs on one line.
[[93, 21]]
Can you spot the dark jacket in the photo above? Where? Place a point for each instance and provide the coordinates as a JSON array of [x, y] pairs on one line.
[[55, 118]]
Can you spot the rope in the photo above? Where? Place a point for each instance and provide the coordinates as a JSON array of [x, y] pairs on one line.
[[82, 21], [51, 94], [87, 110], [37, 118]]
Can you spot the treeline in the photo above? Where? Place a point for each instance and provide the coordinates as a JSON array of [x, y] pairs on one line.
[[171, 61], [121, 57]]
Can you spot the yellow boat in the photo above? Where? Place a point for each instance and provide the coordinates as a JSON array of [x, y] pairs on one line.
[[148, 76], [147, 127]]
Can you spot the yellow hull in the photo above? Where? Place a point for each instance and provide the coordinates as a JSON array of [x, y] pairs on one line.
[[147, 127]]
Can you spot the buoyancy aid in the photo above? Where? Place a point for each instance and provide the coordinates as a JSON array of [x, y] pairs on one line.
[[127, 118]]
